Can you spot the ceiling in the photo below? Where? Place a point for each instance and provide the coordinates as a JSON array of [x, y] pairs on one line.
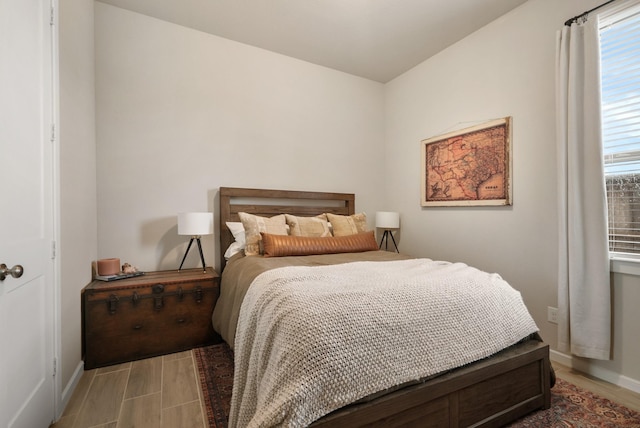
[[375, 39]]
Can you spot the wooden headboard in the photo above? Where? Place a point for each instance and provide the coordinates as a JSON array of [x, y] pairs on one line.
[[268, 203]]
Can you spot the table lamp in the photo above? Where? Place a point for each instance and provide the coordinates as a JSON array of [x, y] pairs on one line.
[[195, 225], [388, 221]]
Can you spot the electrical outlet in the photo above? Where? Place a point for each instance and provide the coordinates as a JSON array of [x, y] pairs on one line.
[[552, 315]]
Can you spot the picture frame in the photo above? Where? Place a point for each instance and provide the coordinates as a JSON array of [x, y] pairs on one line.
[[468, 167]]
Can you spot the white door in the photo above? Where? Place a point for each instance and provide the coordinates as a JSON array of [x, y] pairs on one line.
[[26, 214]]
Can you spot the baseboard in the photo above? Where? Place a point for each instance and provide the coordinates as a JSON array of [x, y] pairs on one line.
[[598, 372], [71, 386]]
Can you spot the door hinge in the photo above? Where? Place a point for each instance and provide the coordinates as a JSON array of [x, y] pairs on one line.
[[52, 18], [53, 250], [53, 132], [55, 366]]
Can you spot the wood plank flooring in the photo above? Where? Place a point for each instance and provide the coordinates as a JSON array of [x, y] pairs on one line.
[[165, 392], [156, 392]]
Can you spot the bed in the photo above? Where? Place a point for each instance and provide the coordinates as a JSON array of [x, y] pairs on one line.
[[490, 391]]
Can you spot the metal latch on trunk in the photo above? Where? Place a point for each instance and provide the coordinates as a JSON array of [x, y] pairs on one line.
[[113, 304], [158, 289]]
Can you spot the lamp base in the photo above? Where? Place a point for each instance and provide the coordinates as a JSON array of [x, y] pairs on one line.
[[385, 237], [197, 238]]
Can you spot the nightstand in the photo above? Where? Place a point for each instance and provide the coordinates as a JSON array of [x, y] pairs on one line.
[[152, 314]]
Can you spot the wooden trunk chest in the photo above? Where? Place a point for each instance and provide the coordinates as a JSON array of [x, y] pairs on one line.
[[153, 314]]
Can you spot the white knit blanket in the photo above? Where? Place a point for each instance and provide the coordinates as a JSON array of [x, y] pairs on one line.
[[313, 339]]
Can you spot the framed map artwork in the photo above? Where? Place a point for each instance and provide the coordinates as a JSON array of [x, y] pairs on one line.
[[468, 167]]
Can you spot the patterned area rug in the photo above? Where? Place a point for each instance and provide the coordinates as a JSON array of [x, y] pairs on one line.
[[215, 368], [571, 406]]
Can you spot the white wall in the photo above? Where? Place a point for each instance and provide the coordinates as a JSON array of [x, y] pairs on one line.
[[78, 210], [181, 113], [505, 69]]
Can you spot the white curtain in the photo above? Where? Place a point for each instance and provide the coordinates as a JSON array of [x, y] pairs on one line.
[[584, 290]]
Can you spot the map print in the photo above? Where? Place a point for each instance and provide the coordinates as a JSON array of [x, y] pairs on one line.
[[470, 167]]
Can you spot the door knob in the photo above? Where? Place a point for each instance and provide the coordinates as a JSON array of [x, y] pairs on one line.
[[15, 271]]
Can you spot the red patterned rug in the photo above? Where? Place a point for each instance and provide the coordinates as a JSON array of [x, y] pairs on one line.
[[571, 406], [215, 368]]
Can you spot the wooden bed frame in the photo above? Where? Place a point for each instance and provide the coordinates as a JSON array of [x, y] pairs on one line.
[[489, 393]]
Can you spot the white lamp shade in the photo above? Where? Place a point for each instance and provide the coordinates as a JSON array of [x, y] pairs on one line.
[[387, 220], [195, 224]]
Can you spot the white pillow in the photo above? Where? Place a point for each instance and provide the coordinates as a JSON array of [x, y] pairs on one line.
[[233, 249], [237, 230]]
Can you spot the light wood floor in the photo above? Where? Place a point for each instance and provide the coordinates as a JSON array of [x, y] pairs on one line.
[[156, 392], [165, 392]]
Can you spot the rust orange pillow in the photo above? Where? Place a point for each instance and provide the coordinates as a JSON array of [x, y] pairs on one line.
[[287, 245]]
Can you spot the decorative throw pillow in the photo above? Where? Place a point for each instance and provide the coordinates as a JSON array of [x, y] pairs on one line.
[[285, 245], [308, 226], [344, 225], [254, 224]]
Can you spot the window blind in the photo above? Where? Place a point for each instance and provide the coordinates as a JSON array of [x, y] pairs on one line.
[[620, 71]]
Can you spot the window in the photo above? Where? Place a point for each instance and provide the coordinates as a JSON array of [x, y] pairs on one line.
[[620, 70]]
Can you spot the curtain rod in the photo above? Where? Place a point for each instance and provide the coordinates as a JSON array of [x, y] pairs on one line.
[[575, 18]]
